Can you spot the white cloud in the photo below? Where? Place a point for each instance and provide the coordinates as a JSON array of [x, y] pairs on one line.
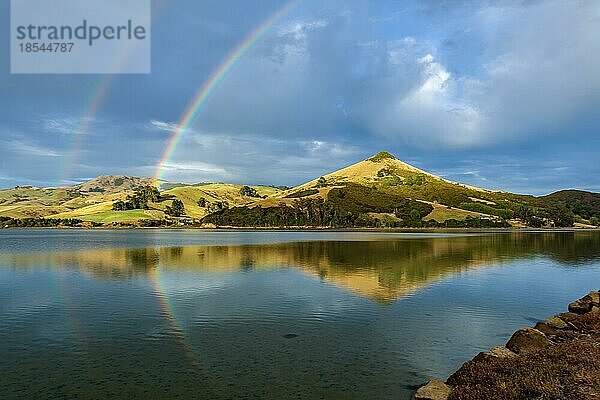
[[436, 78], [163, 126], [189, 171], [196, 167], [299, 29], [30, 149], [322, 149], [67, 126], [431, 113]]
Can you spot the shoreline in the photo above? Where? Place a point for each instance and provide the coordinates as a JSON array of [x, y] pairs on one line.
[[311, 229], [558, 358]]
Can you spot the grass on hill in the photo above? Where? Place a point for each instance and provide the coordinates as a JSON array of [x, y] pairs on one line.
[[213, 192], [97, 207], [86, 210], [29, 211], [443, 213], [31, 196], [121, 216]]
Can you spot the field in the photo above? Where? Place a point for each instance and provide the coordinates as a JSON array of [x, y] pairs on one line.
[[120, 216], [442, 213]]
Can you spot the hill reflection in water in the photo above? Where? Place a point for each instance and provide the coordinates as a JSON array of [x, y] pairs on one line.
[[382, 270]]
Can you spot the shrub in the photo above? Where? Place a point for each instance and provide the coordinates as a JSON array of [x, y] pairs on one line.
[[249, 192]]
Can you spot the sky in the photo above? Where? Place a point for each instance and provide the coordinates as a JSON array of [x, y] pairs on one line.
[[497, 94]]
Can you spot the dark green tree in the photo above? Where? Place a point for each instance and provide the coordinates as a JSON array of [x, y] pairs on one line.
[[415, 215], [119, 205], [217, 206], [249, 192], [561, 216], [176, 209], [139, 199]]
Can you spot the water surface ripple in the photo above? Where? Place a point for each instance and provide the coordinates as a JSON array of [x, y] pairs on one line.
[[176, 314]]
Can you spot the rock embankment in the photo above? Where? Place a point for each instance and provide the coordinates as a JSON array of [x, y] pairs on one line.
[[556, 359]]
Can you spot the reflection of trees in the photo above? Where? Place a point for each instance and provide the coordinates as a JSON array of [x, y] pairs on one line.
[[105, 263], [383, 269], [141, 259], [176, 251], [571, 247]]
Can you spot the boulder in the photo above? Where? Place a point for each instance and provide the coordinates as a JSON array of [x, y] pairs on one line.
[[433, 390], [578, 307], [494, 352], [545, 329], [557, 323], [586, 303], [527, 340]]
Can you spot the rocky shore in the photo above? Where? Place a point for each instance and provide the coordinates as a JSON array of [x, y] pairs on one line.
[[556, 359]]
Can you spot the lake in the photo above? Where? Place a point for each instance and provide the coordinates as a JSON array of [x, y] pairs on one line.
[[202, 314]]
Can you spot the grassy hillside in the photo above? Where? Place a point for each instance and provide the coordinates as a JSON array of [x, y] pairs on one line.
[[380, 191], [121, 216], [32, 202], [350, 205], [366, 190], [581, 203], [93, 200], [91, 196], [442, 213], [213, 193]]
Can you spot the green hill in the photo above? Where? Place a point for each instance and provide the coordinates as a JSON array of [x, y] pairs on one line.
[[383, 191], [94, 200], [380, 191], [583, 204]]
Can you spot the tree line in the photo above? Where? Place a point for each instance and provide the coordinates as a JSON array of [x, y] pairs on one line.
[[7, 222]]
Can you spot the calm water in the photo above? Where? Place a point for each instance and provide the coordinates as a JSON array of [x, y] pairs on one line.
[[166, 314]]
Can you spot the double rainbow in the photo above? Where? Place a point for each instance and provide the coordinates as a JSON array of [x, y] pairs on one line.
[[188, 117]]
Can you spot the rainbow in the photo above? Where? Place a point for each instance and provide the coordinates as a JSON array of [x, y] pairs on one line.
[[215, 78], [90, 110], [93, 104], [167, 310], [70, 308]]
